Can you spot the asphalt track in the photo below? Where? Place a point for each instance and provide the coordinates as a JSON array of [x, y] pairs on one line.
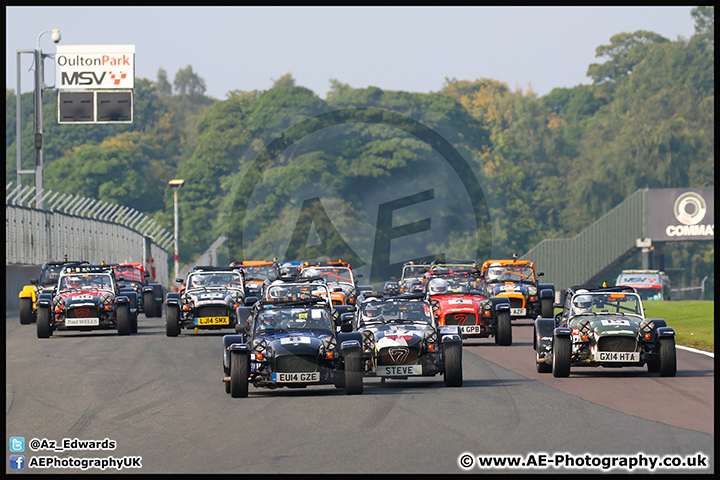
[[162, 399]]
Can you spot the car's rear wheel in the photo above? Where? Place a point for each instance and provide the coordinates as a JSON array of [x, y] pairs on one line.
[[172, 321], [353, 372], [43, 323], [25, 311], [562, 347], [541, 367], [668, 359], [453, 365], [504, 329], [239, 372], [149, 304], [124, 322]]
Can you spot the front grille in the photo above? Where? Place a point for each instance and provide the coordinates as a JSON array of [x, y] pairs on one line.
[[617, 344], [212, 311], [460, 319], [82, 312], [296, 363], [517, 302], [398, 356]]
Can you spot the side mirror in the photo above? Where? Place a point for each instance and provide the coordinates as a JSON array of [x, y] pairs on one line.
[[180, 280], [359, 275], [251, 300], [34, 281], [539, 274], [147, 275]]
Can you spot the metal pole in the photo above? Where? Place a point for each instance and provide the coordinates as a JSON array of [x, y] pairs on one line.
[[177, 270], [38, 126]]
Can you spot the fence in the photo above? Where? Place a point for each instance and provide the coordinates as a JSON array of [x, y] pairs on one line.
[[82, 229]]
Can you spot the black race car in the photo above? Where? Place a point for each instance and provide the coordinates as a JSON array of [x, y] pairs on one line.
[[149, 295], [401, 339], [86, 298], [47, 282], [208, 300], [292, 342]]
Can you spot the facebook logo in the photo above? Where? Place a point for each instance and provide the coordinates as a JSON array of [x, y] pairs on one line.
[[17, 462], [17, 444]]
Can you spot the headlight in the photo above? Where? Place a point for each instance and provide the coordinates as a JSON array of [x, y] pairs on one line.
[[259, 344], [430, 337], [58, 301], [368, 340], [646, 326], [532, 290], [329, 344], [486, 304], [106, 299], [236, 296]]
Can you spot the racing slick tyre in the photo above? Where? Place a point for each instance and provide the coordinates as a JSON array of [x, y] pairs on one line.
[[172, 321], [239, 372], [453, 365], [668, 359], [562, 347], [546, 307], [504, 329], [353, 372], [541, 367], [43, 323], [124, 320], [653, 366], [25, 311], [133, 323], [149, 304]]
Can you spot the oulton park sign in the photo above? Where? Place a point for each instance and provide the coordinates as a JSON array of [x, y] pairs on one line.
[[93, 67]]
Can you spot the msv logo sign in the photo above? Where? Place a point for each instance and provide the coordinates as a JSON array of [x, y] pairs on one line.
[[95, 66]]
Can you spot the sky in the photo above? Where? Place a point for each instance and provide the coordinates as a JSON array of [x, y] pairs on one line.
[[412, 49]]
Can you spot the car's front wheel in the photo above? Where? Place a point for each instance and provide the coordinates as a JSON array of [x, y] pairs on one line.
[[239, 373], [43, 323], [562, 349], [149, 304], [453, 365], [668, 359], [353, 372], [504, 329], [172, 321], [25, 311], [124, 321]]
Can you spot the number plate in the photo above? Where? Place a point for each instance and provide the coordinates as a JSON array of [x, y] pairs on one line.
[[470, 329], [515, 312], [617, 357], [297, 377], [398, 370], [212, 321], [82, 322]]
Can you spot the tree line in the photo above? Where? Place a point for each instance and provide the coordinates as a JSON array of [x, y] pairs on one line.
[[549, 165]]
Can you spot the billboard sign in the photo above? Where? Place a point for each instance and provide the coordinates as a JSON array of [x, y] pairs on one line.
[[681, 214], [92, 67]]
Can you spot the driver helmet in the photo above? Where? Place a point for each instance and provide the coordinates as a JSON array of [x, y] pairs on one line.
[[494, 272], [582, 304], [199, 280], [372, 311], [437, 286], [311, 272], [269, 319]]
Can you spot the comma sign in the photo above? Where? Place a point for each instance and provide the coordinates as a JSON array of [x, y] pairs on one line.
[[681, 214], [401, 223]]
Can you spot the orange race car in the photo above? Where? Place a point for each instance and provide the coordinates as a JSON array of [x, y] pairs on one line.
[[517, 280]]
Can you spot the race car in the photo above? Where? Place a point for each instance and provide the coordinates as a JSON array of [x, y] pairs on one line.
[[460, 299], [603, 327], [292, 342], [338, 276], [517, 281], [149, 295], [411, 279], [209, 300], [87, 297], [49, 274], [401, 340], [257, 273]]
